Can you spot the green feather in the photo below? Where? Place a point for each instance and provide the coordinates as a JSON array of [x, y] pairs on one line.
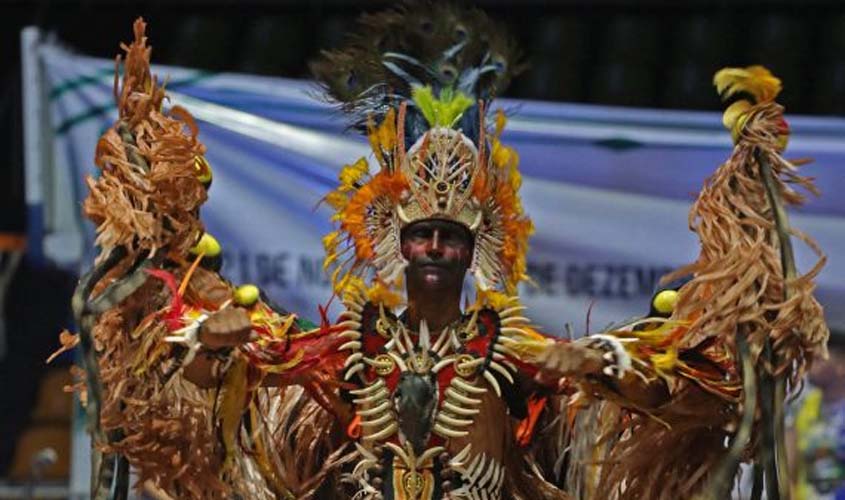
[[442, 111]]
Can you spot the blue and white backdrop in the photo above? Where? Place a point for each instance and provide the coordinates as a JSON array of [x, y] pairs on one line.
[[608, 188]]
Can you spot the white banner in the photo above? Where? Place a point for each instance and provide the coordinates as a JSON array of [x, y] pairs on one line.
[[608, 188]]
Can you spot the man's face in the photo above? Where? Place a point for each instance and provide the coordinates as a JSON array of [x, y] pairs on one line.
[[438, 254]]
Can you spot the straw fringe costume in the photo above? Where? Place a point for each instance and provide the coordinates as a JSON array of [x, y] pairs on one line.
[[365, 407]]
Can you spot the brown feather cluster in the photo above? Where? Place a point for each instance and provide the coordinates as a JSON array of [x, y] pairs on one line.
[[666, 455], [307, 445], [432, 43]]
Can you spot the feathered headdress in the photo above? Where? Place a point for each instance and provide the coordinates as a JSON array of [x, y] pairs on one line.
[[419, 80]]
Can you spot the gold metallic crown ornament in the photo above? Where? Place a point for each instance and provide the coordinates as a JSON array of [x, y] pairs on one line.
[[440, 168]]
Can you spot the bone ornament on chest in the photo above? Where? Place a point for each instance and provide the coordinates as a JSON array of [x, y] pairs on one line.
[[427, 403]]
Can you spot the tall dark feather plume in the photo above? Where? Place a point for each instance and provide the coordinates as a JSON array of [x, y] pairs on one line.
[[417, 43]]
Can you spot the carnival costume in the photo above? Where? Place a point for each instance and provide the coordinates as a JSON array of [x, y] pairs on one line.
[[461, 413]]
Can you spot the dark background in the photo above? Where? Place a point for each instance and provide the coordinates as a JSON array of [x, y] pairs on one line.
[[655, 54]]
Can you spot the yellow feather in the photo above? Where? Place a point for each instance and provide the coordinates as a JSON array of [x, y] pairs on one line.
[[734, 115], [515, 177], [330, 241], [351, 286], [372, 136], [658, 329], [387, 132], [501, 121], [340, 279], [491, 298], [383, 137], [337, 200], [755, 80], [351, 174], [282, 330], [665, 362], [380, 294], [501, 154], [287, 365]]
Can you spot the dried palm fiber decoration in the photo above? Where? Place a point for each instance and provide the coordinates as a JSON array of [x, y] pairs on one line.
[[419, 81], [144, 204], [744, 306], [148, 192], [183, 441]]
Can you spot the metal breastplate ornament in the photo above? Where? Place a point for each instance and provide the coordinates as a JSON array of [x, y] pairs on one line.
[[417, 392]]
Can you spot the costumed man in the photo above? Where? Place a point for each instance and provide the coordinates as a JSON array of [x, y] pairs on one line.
[[208, 390]]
